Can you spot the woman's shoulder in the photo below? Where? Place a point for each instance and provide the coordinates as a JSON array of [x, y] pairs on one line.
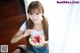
[[23, 27]]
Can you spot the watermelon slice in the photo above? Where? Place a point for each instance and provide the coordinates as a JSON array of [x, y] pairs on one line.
[[36, 40]]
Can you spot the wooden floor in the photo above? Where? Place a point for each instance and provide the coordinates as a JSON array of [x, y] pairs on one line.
[[12, 15]]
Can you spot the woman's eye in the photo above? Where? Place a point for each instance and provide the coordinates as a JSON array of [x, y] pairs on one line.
[[37, 13]]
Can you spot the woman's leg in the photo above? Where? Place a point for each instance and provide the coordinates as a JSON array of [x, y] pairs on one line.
[[41, 49], [20, 49], [16, 51], [30, 50]]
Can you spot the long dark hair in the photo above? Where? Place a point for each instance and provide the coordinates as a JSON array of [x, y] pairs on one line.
[[37, 5]]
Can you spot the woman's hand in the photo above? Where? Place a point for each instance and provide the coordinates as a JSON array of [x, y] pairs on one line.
[[27, 32], [45, 42]]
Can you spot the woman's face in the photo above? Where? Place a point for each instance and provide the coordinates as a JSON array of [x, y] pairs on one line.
[[36, 16]]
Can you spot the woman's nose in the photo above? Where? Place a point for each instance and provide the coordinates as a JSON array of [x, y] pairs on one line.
[[34, 17]]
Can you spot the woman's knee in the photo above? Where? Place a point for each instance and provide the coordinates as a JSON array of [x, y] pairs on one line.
[[22, 46], [16, 51]]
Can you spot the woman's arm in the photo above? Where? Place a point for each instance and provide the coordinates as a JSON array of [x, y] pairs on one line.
[[45, 42], [19, 35]]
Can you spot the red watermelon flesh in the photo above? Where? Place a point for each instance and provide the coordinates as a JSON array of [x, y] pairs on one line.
[[36, 39]]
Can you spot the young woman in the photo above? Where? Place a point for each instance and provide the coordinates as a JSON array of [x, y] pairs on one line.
[[36, 25]]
